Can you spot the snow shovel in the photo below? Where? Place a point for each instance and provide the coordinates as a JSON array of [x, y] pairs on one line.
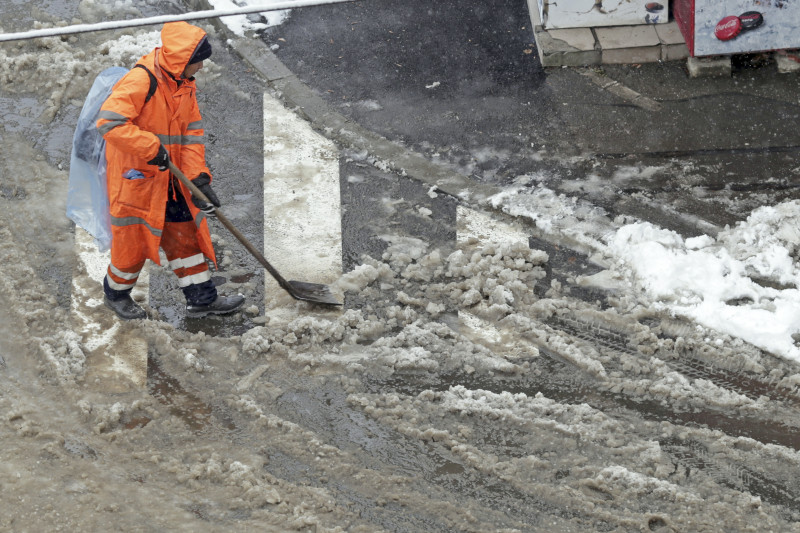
[[299, 290]]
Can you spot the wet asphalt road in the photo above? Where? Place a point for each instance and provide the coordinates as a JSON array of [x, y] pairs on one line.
[[461, 83], [446, 78], [490, 145]]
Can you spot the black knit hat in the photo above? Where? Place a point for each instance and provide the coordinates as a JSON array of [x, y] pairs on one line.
[[202, 52]]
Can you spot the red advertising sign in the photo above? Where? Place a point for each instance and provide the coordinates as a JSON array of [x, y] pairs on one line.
[[719, 27]]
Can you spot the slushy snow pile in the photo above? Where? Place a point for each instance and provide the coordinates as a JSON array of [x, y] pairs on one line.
[[744, 283]]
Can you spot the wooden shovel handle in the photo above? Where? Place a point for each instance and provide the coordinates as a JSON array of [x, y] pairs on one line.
[[227, 223]]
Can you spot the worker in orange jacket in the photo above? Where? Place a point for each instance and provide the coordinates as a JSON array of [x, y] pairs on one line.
[[150, 119]]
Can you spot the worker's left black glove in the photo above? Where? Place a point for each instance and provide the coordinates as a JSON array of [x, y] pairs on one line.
[[203, 182], [161, 160]]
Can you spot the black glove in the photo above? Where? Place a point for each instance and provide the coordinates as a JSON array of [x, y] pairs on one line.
[[203, 182], [161, 159]]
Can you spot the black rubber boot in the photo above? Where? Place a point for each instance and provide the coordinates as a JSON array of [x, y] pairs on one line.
[[125, 308], [222, 305]]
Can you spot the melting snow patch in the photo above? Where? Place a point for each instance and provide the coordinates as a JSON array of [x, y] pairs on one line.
[[712, 282]]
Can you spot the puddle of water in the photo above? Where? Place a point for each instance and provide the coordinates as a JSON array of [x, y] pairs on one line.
[[137, 422], [450, 468], [242, 278]]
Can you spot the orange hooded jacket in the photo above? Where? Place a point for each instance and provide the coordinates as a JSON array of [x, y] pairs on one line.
[[133, 131]]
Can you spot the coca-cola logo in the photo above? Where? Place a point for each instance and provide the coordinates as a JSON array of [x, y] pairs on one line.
[[728, 28]]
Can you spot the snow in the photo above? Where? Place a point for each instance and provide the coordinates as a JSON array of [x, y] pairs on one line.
[[240, 24], [744, 283], [711, 281], [97, 15], [298, 416]]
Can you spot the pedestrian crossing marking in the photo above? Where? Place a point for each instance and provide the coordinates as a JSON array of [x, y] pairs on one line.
[[302, 207], [116, 359]]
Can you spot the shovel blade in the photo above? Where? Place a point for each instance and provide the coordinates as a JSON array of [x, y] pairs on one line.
[[312, 292]]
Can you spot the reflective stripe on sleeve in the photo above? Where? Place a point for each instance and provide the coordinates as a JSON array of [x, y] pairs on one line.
[[180, 139], [110, 115], [114, 120]]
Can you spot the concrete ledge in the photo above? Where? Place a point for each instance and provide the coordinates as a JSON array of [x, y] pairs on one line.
[[709, 67], [787, 61], [261, 59], [673, 45], [622, 37], [643, 43], [619, 56], [629, 44], [573, 47]]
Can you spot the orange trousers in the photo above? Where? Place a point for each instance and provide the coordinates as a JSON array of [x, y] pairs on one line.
[[179, 242]]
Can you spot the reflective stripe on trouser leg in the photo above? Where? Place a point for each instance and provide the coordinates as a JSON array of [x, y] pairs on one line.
[[123, 278], [179, 242], [190, 270]]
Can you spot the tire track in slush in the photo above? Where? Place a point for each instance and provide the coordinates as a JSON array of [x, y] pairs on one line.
[[561, 385], [693, 455], [693, 368], [327, 412], [557, 381]]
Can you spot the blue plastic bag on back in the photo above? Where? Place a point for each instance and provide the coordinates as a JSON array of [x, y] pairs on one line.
[[87, 194]]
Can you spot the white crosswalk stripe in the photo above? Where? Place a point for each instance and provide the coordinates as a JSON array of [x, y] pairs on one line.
[[116, 359], [302, 207]]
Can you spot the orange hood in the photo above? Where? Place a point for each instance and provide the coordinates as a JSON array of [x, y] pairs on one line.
[[179, 40]]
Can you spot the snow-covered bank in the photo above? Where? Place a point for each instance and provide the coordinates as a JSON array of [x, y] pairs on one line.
[[745, 283], [240, 24]]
